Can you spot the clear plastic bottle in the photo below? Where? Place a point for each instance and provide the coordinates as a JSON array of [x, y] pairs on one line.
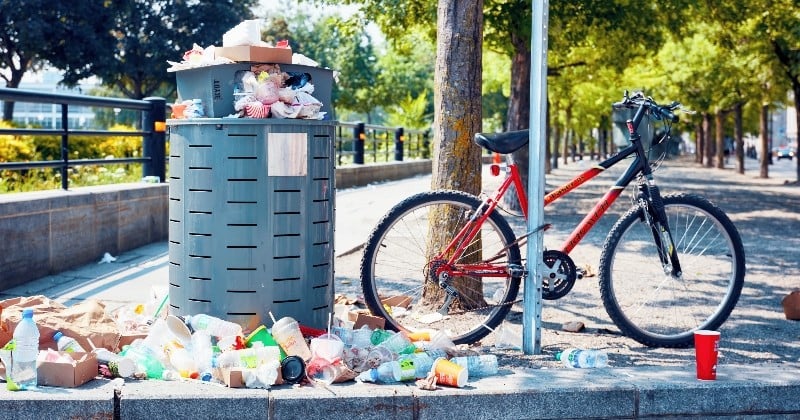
[[422, 363], [579, 358], [217, 327], [67, 344], [386, 373], [26, 339], [478, 366]]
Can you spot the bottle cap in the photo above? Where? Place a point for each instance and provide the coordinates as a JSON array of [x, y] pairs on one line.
[[293, 369], [57, 335]]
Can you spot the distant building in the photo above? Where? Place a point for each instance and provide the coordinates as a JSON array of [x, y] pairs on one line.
[[49, 115]]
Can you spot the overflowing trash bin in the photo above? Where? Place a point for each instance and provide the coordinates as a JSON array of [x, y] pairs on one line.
[[251, 219]]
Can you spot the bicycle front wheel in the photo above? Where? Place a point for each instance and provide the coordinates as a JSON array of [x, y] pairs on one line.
[[650, 305], [397, 266]]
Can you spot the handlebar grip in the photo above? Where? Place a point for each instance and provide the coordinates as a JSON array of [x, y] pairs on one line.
[[667, 113]]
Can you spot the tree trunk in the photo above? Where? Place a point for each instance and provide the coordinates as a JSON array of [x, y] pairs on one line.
[[700, 143], [567, 131], [720, 134], [548, 167], [738, 135], [556, 139], [12, 83], [519, 116], [763, 127], [457, 105]]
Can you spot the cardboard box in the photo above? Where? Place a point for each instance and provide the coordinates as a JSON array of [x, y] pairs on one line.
[[361, 318], [64, 374], [214, 86], [249, 53], [128, 339]]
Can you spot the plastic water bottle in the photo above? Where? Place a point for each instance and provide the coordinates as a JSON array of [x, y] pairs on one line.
[[26, 339], [217, 327], [478, 366], [421, 362], [67, 344], [386, 373], [579, 358]]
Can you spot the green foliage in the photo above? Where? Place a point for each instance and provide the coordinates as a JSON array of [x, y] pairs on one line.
[[411, 112], [47, 148]]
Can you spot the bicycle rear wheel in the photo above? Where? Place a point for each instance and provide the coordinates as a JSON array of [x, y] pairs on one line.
[[654, 307], [396, 265]]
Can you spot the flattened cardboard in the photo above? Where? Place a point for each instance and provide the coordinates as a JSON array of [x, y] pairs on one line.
[[360, 319], [62, 374], [249, 53]]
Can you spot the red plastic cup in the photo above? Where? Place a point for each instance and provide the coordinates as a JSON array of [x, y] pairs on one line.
[[706, 350]]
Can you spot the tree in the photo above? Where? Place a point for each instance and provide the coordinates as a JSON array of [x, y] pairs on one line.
[[66, 34], [147, 33]]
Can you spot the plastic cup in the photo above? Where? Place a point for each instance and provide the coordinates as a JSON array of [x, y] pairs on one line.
[[286, 332], [379, 355], [397, 342], [449, 373], [362, 338], [706, 350], [327, 347]]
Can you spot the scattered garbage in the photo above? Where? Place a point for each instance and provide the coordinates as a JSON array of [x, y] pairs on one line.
[[580, 358], [107, 258]]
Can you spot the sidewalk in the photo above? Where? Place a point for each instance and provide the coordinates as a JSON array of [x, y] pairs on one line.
[[750, 386]]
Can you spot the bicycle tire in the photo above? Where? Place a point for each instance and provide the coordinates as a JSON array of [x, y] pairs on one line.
[[655, 308], [395, 263]]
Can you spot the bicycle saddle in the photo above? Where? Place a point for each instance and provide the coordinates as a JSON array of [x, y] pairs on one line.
[[503, 143]]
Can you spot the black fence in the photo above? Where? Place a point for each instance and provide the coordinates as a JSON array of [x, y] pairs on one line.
[[356, 143]]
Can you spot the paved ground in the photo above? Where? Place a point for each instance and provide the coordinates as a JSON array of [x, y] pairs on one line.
[[760, 351]]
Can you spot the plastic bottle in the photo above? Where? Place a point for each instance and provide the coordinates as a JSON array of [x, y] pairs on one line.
[[67, 344], [422, 363], [217, 327], [579, 358], [478, 366], [386, 373], [26, 339]]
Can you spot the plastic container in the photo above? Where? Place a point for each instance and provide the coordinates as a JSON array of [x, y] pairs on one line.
[[581, 359], [421, 362], [385, 373], [67, 344], [146, 361], [478, 366], [215, 326], [26, 339], [286, 331]]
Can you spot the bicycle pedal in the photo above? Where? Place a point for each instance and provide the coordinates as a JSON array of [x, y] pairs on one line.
[[515, 270]]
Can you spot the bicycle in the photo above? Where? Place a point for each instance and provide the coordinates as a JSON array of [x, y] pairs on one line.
[[447, 260]]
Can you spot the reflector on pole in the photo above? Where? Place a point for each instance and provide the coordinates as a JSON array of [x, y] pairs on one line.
[[532, 295]]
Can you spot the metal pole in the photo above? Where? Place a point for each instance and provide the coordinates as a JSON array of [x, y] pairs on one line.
[[532, 311]]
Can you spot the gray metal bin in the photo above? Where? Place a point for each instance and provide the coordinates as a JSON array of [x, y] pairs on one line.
[[251, 219]]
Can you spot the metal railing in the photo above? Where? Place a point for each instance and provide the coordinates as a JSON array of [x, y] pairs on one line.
[[153, 133], [355, 142]]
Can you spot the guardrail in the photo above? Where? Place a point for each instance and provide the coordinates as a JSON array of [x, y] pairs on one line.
[[356, 142], [153, 123]]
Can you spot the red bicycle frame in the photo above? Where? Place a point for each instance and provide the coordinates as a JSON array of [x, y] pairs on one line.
[[459, 243]]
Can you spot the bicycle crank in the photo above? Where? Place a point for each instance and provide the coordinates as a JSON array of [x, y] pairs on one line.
[[558, 274]]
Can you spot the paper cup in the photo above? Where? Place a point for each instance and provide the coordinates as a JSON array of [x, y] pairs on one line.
[[288, 335], [449, 373], [706, 349]]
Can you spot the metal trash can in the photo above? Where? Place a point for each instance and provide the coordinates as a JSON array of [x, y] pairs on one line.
[[251, 219]]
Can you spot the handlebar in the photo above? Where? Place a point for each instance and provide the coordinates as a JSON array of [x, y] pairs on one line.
[[638, 99]]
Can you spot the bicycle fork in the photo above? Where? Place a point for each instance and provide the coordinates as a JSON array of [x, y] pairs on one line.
[[652, 205]]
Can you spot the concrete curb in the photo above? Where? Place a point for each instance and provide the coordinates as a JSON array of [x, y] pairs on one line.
[[768, 391]]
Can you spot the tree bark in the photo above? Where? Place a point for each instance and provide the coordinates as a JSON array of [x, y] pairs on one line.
[[457, 117], [700, 143], [763, 127], [738, 134], [720, 135], [519, 116]]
